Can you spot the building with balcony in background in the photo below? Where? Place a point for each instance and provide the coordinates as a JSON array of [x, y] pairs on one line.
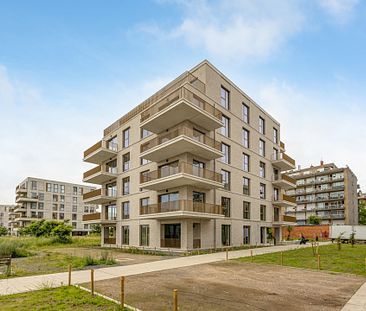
[[326, 191], [50, 200], [4, 214], [198, 165]]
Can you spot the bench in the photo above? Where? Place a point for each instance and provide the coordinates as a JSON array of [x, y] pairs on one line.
[[6, 261]]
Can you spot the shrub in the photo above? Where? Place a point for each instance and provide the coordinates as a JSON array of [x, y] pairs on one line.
[[13, 248], [62, 233], [314, 220]]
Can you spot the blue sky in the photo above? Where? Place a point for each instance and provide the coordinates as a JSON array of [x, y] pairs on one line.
[[70, 68]]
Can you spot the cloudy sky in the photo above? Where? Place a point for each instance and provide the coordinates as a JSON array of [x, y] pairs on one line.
[[70, 68]]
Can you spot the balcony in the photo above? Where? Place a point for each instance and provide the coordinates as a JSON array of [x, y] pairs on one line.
[[100, 152], [284, 181], [19, 208], [284, 220], [284, 201], [180, 175], [181, 209], [100, 196], [283, 161], [100, 174], [20, 189], [22, 199], [178, 141], [178, 106], [93, 217]]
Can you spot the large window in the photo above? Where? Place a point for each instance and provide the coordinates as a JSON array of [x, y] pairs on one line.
[[144, 203], [262, 148], [246, 186], [125, 210], [246, 161], [48, 187], [262, 169], [246, 234], [246, 210], [126, 162], [225, 203], [245, 138], [126, 138], [275, 135], [111, 167], [144, 235], [262, 191], [125, 235], [225, 130], [145, 133], [34, 185], [225, 98], [245, 113], [225, 235], [226, 151], [169, 202], [262, 125], [111, 212], [62, 188], [263, 212], [226, 179], [126, 185], [55, 188]]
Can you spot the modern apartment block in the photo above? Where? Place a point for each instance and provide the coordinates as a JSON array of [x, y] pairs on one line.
[[325, 191], [51, 200], [4, 215], [198, 165]]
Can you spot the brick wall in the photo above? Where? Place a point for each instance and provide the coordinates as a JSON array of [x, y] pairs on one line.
[[309, 231]]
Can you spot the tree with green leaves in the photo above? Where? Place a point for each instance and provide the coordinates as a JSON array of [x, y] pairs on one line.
[[362, 213], [3, 231], [96, 229], [289, 230], [314, 220]]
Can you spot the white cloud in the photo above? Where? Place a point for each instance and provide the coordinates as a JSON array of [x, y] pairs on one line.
[[340, 10]]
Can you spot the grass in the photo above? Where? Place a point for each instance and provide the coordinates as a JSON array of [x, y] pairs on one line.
[[64, 298], [348, 260]]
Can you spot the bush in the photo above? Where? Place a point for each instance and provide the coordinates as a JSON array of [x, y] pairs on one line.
[[60, 231], [14, 248], [3, 231], [314, 220]]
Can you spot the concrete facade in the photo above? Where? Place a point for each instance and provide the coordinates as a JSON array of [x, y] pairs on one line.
[[4, 214], [172, 170], [325, 191], [38, 198]]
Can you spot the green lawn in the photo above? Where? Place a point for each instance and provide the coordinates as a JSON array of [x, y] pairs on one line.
[[63, 298], [348, 260]]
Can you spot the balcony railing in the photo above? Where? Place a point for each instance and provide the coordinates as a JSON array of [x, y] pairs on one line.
[[171, 243], [181, 205], [93, 216], [284, 197], [182, 167], [101, 169], [181, 93], [101, 144], [100, 192], [285, 177], [181, 130], [283, 156]]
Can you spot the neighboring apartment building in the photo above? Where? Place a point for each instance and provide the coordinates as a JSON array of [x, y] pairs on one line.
[[326, 191], [4, 214], [196, 165], [52, 200]]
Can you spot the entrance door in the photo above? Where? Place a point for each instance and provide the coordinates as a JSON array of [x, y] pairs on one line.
[[196, 235]]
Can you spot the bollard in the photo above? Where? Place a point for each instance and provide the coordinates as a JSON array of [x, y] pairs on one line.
[[281, 258], [365, 264], [317, 248], [318, 262], [92, 281], [122, 292], [227, 254], [175, 300], [69, 282], [251, 254]]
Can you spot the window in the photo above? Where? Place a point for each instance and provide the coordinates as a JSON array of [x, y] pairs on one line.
[[125, 235], [74, 200], [246, 161], [144, 161], [40, 196], [111, 167], [74, 208], [225, 203], [126, 185], [112, 144], [40, 205], [144, 235], [74, 225], [226, 179], [246, 234], [144, 203], [145, 133], [33, 205], [125, 210], [226, 151], [55, 198], [62, 188], [48, 187], [275, 154], [262, 170], [262, 191], [261, 125], [54, 215], [276, 194], [245, 138], [62, 198], [225, 130], [145, 176], [126, 162], [245, 113], [81, 190], [54, 207], [246, 186], [86, 226], [224, 98], [86, 209], [111, 212], [61, 216], [262, 148], [33, 185], [275, 135], [225, 235], [246, 210], [74, 216], [263, 212], [75, 190], [55, 188], [62, 207], [126, 138]]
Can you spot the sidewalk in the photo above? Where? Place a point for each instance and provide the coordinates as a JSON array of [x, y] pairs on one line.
[[357, 301], [30, 283]]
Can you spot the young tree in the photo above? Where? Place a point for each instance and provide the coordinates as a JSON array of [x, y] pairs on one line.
[[314, 220], [3, 231], [289, 230], [362, 213]]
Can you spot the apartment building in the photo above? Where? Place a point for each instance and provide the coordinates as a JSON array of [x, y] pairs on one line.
[[38, 198], [325, 191], [4, 215], [198, 165]]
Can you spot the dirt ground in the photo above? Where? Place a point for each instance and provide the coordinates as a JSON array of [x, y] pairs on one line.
[[236, 286]]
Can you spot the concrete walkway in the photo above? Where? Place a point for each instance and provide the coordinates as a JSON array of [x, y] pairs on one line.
[[30, 283], [357, 301]]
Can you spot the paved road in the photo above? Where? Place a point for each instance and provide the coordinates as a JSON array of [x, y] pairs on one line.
[[29, 283]]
